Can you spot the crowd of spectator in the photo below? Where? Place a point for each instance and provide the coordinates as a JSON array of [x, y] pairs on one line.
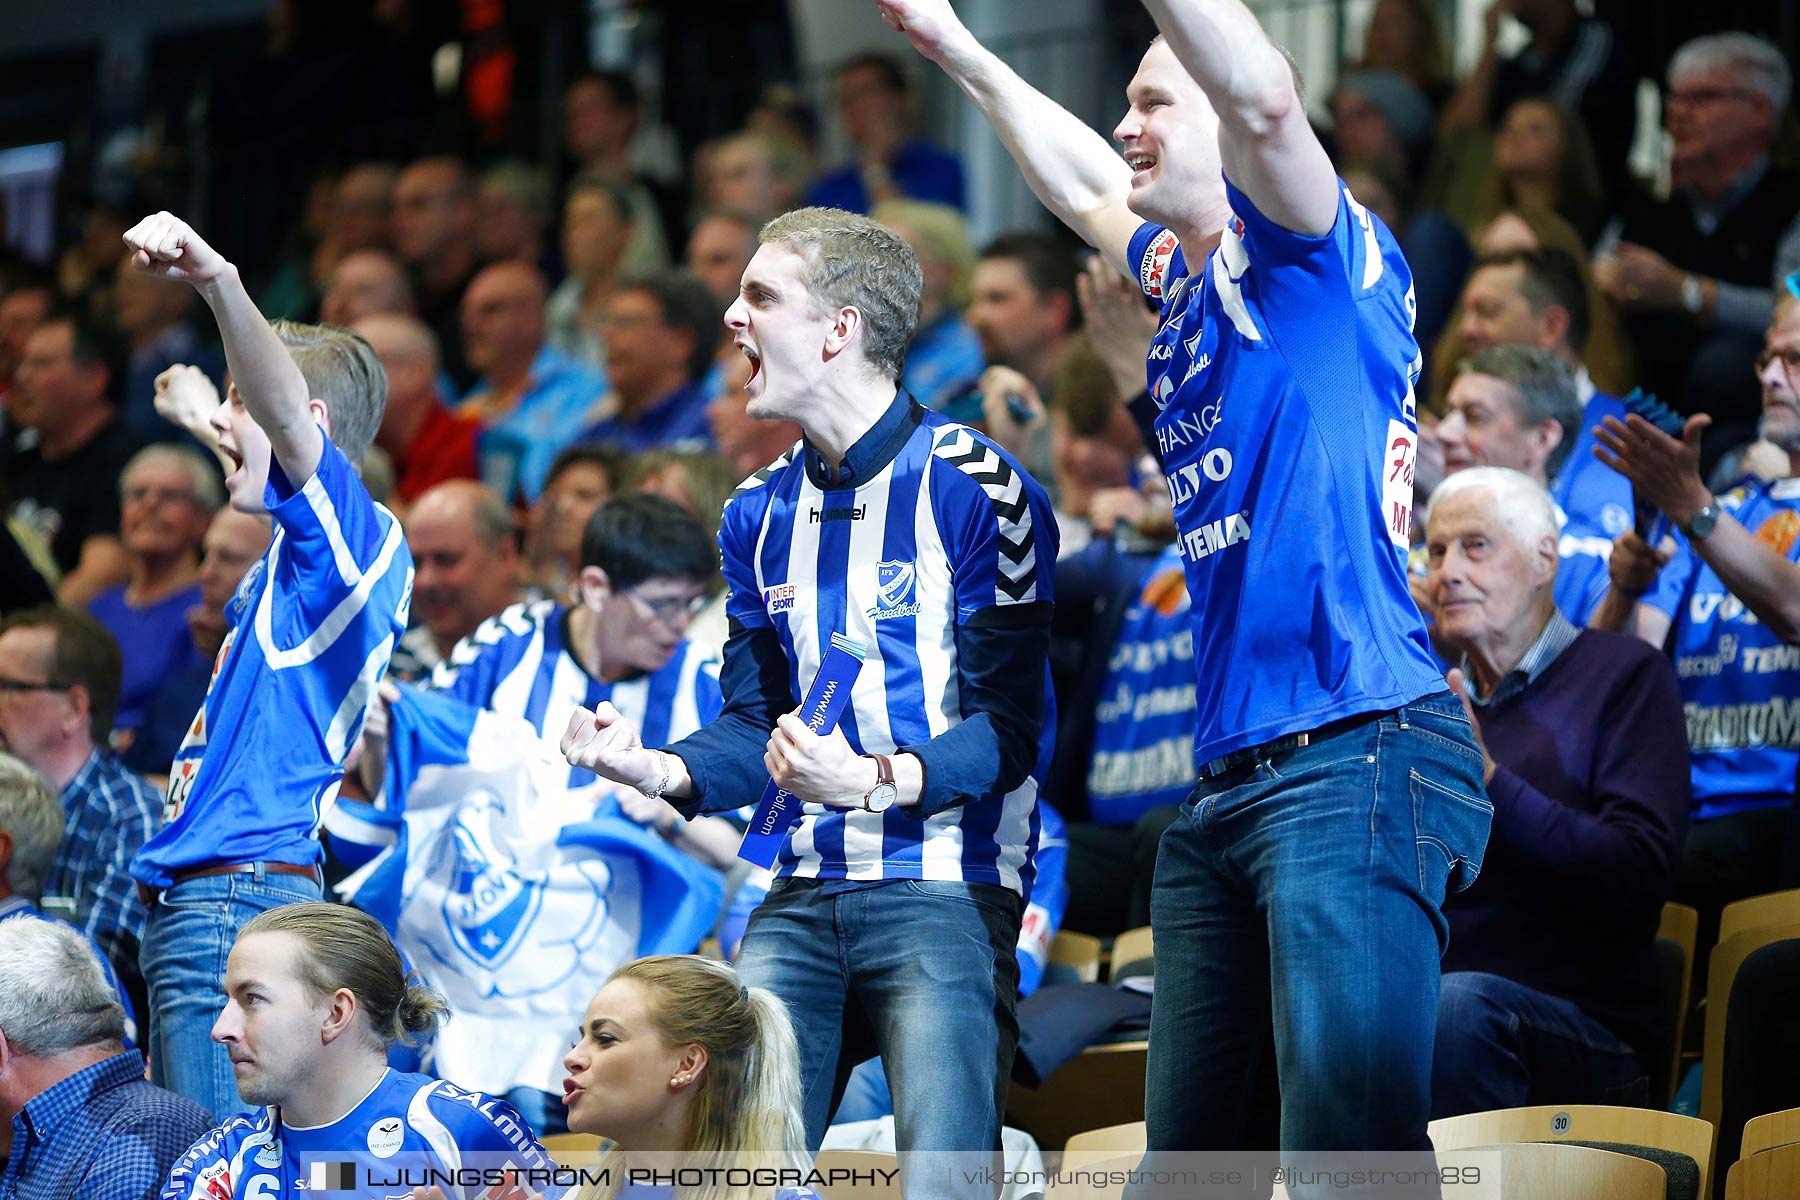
[[1619, 606]]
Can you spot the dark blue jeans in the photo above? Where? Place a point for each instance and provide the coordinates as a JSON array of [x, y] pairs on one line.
[[1501, 1044], [1297, 900], [188, 936], [921, 973]]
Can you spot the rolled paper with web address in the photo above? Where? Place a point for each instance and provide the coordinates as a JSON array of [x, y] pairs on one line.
[[779, 808]]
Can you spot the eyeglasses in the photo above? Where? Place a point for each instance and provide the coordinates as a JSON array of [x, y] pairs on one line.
[[10, 688], [1790, 360], [669, 609], [1707, 95], [136, 495]]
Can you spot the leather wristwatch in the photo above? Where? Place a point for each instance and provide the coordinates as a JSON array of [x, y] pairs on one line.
[[881, 797]]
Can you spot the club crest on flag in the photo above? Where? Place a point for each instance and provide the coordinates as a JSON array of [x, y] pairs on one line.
[[495, 905]]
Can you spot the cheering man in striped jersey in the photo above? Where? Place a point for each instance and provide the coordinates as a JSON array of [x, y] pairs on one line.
[[892, 926], [312, 627], [1340, 790]]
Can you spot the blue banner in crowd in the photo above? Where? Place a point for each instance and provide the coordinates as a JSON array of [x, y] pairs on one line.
[[1144, 724], [512, 895]]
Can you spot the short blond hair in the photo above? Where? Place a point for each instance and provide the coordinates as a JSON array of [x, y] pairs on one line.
[[343, 371]]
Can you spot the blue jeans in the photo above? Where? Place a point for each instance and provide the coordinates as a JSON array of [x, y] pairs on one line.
[[1501, 1044], [921, 973], [189, 933], [1297, 901]]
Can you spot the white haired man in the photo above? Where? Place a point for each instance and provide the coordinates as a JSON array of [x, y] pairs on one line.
[[1585, 761]]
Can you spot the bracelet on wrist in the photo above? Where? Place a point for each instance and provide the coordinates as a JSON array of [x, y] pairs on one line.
[[662, 785]]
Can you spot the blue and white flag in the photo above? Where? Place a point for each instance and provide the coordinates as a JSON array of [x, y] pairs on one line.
[[511, 894]]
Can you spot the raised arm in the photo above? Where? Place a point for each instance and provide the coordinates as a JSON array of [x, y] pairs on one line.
[[1073, 170], [1266, 144], [273, 390]]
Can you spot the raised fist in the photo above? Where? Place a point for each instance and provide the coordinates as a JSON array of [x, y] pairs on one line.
[[167, 247]]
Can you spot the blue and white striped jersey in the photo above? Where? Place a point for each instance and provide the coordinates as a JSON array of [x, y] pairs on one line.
[[312, 626], [519, 663], [407, 1125], [948, 533]]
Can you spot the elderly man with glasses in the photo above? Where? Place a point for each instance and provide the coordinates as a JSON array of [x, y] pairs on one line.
[[1549, 984], [1691, 273], [1728, 602]]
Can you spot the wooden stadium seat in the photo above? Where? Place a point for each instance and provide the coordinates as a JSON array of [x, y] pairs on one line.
[[1554, 1171], [1103, 1085], [1528, 1171], [1737, 1082], [1770, 1175], [1591, 1124], [1769, 1131], [1115, 1148], [1134, 945], [1756, 912], [572, 1149], [1727, 957], [1114, 1139], [1078, 953], [859, 1160], [1675, 940], [1098, 1164]]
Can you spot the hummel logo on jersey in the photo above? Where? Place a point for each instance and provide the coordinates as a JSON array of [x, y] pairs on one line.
[[894, 584], [820, 516]]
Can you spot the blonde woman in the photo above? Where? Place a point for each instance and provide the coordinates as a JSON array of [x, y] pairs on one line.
[[676, 1057]]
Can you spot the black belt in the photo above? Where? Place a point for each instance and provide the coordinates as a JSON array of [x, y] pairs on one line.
[[1225, 764], [148, 894]]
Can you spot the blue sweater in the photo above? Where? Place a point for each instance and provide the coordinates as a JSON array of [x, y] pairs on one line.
[[1590, 806]]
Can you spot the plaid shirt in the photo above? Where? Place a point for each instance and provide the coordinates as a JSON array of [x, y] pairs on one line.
[[110, 812], [104, 1133]]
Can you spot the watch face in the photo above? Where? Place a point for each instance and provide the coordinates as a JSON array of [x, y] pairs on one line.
[[881, 797]]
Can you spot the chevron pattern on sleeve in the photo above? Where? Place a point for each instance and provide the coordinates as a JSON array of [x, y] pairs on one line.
[[763, 476], [1015, 569]]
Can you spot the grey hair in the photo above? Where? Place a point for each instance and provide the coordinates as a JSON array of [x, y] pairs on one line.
[[850, 261], [1520, 504], [33, 816], [1754, 61], [54, 996], [209, 493], [493, 520], [1544, 385], [523, 182], [344, 371]]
